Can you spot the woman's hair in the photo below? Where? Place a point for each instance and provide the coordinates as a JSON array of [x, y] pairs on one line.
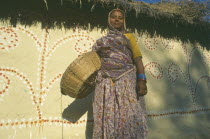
[[109, 16]]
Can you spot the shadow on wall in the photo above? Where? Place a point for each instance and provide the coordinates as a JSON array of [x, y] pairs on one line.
[[77, 109], [179, 98]]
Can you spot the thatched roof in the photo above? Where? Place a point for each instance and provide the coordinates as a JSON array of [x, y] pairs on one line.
[[181, 20], [183, 11]]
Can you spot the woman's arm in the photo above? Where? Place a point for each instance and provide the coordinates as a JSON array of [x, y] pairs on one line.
[[141, 84]]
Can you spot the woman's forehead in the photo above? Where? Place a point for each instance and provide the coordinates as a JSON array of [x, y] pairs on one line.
[[117, 12]]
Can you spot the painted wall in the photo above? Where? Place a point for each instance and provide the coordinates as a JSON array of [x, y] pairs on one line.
[[33, 60]]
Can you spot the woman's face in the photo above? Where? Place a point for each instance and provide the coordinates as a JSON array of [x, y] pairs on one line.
[[117, 20]]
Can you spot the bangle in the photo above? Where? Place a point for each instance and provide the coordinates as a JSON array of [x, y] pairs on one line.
[[141, 80], [141, 77]]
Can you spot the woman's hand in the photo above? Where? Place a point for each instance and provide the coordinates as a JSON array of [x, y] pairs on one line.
[[142, 87]]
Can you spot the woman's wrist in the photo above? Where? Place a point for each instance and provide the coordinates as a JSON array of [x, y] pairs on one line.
[[141, 77]]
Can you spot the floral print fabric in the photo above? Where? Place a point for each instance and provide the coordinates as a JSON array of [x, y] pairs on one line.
[[118, 113], [116, 59]]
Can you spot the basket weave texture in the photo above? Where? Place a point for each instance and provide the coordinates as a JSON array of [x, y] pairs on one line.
[[79, 78]]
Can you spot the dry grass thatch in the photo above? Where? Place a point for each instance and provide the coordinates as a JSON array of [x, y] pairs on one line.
[[188, 11], [171, 20]]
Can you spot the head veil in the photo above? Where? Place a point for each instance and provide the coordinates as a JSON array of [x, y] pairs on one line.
[[109, 16]]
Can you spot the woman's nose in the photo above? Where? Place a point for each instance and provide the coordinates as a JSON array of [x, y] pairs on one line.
[[116, 19]]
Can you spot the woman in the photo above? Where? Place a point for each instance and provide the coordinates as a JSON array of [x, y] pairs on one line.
[[118, 110]]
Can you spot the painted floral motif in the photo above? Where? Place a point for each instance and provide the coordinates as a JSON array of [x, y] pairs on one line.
[[155, 42], [83, 42], [4, 83], [8, 39], [151, 43], [154, 69], [168, 44], [38, 93], [173, 70]]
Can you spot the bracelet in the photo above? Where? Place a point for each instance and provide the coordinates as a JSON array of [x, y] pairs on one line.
[[142, 80], [141, 77]]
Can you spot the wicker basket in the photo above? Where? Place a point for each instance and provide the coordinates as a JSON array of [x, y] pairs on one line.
[[79, 78]]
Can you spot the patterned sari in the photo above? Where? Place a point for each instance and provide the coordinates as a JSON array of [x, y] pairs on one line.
[[118, 113]]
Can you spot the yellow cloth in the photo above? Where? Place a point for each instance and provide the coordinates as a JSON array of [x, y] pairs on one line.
[[135, 48]]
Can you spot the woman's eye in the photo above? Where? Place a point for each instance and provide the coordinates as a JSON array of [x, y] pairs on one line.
[[119, 18]]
